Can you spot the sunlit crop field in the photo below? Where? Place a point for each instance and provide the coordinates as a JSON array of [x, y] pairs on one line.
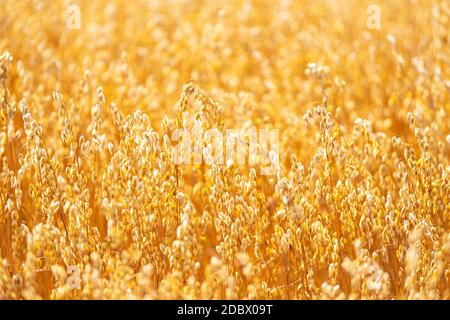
[[95, 204]]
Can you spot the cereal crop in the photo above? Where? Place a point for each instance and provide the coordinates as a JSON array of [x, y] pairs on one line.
[[94, 94]]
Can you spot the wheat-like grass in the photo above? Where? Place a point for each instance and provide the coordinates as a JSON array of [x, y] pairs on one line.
[[92, 206]]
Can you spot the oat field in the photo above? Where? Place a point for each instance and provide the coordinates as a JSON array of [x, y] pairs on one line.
[[93, 204]]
